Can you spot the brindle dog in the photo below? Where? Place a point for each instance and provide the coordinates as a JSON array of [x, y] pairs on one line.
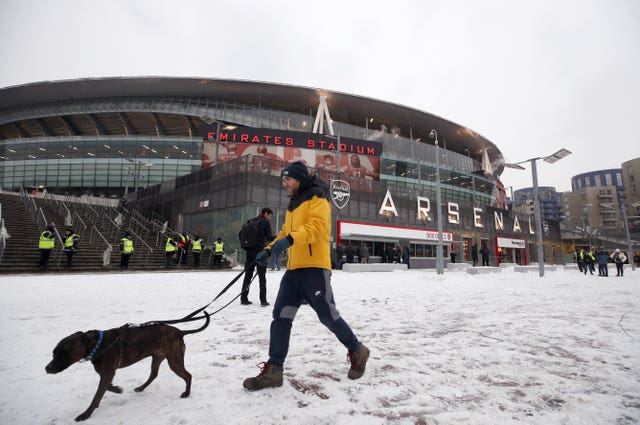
[[121, 347]]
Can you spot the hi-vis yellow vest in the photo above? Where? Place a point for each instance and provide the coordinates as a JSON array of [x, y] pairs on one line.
[[127, 245], [68, 243], [47, 240]]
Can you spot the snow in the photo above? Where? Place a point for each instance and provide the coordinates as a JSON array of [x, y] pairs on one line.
[[454, 349]]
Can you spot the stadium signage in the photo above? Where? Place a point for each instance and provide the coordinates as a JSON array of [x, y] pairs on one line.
[[424, 214], [269, 137]]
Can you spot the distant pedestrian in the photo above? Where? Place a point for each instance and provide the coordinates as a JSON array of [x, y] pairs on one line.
[[619, 258], [183, 248], [196, 248], [395, 254], [261, 237], [351, 252], [453, 256], [484, 252], [46, 244], [474, 254], [602, 258], [580, 259], [406, 255], [71, 241], [169, 251], [126, 250], [364, 254], [218, 252], [589, 260], [339, 255], [388, 253]]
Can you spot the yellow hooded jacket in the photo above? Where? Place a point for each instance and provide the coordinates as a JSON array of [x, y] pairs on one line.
[[309, 224]]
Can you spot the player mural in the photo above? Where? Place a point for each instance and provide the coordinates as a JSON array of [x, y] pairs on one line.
[[359, 159]]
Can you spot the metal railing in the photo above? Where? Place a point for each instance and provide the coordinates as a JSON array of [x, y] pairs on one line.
[[97, 239], [148, 251], [76, 219], [3, 235]]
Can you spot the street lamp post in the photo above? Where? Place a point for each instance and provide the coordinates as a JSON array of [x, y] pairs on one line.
[[136, 174], [536, 212], [551, 159], [439, 254], [217, 141], [626, 227], [219, 126], [588, 227]]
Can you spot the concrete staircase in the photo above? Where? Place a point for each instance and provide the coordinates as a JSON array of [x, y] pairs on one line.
[[98, 226]]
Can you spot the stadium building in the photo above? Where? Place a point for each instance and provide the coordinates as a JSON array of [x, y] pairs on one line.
[[206, 154]]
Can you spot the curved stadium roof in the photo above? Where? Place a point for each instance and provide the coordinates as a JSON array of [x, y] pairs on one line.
[[100, 106]]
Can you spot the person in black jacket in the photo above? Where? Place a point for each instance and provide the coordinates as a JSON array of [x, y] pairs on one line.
[[351, 252], [484, 252], [265, 236], [474, 254]]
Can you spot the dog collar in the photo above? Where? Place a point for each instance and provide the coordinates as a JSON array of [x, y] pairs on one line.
[[95, 349]]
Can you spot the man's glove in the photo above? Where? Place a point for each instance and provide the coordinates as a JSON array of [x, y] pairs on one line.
[[261, 258], [281, 246]]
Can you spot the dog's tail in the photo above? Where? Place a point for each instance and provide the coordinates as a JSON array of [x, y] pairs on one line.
[[200, 329]]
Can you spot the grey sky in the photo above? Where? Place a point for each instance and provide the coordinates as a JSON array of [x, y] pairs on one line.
[[532, 77]]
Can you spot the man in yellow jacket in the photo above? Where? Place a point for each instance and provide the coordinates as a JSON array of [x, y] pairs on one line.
[[305, 233]]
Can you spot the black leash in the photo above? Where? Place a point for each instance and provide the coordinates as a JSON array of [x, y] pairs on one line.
[[192, 316]]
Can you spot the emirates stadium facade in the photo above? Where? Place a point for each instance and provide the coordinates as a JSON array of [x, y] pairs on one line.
[[207, 154]]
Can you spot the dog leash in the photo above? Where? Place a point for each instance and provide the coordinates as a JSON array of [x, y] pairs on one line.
[[192, 316]]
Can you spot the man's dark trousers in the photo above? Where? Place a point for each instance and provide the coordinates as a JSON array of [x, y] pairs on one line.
[[312, 285], [249, 267]]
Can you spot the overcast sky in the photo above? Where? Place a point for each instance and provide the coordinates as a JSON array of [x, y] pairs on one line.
[[532, 77]]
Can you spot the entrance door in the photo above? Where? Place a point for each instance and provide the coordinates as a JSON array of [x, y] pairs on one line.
[[466, 249]]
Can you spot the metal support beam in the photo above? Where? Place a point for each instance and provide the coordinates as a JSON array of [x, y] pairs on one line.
[[160, 130], [128, 129], [100, 129], [71, 127], [22, 133], [44, 127], [321, 115]]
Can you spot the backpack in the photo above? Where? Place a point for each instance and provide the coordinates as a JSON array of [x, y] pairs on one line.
[[249, 234]]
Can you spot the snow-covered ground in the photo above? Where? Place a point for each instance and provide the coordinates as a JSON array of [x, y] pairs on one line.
[[454, 349]]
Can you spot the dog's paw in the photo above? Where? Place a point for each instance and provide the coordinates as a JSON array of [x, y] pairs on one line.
[[83, 416], [185, 394], [115, 389]]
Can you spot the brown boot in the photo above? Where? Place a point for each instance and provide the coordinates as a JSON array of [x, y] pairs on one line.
[[270, 376], [358, 361]]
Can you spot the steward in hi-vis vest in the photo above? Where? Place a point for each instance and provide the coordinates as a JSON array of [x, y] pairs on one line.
[[46, 244], [126, 250], [169, 250], [71, 241], [197, 251], [218, 251]]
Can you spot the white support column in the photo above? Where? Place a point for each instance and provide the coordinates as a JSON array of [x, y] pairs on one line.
[[321, 115]]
